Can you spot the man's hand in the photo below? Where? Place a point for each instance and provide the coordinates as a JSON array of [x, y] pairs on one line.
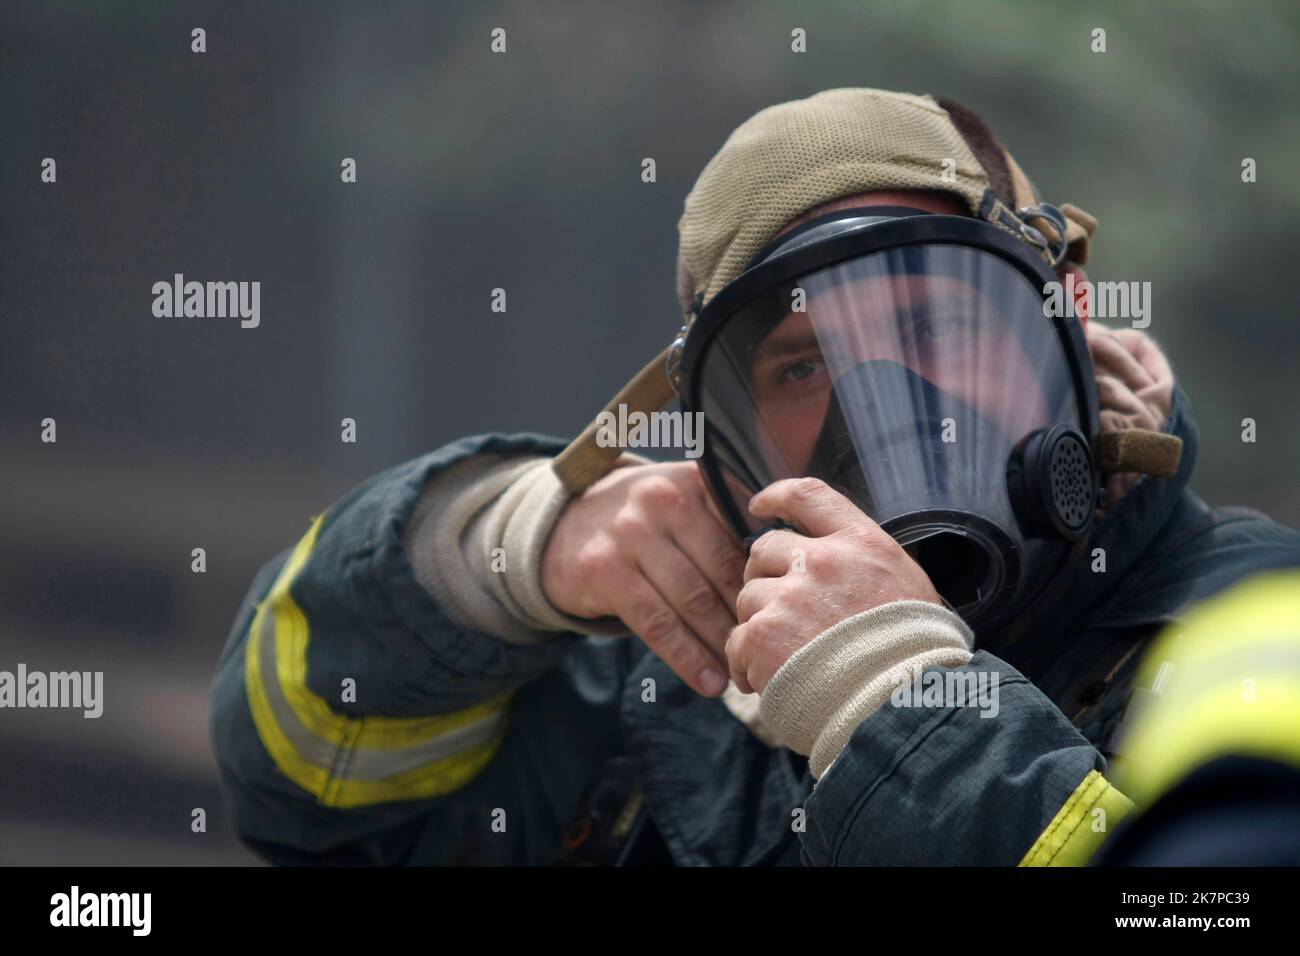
[[644, 545], [798, 585], [1134, 382], [1134, 385]]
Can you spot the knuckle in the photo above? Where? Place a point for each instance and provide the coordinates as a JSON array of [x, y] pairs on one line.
[[658, 623], [588, 559], [734, 647], [766, 627], [807, 488], [726, 558], [699, 600], [657, 491], [747, 602], [770, 544], [686, 471], [629, 522], [853, 543], [596, 558], [821, 561]]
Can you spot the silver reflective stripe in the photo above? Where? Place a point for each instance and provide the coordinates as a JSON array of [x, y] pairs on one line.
[[371, 764], [361, 764]]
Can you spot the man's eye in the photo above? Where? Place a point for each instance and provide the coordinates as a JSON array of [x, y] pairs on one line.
[[799, 371]]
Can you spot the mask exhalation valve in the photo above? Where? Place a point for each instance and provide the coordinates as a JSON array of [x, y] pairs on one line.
[[1051, 481]]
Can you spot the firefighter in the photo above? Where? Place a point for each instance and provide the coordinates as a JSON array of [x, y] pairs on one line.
[[568, 654]]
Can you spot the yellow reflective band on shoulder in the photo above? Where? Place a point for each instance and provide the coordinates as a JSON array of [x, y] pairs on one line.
[[1081, 825], [1262, 609], [352, 761], [1231, 685], [1171, 741]]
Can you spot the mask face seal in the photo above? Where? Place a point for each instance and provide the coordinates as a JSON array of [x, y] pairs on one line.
[[907, 361]]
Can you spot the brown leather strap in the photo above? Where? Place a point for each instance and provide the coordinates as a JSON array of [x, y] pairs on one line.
[[1142, 451], [584, 462]]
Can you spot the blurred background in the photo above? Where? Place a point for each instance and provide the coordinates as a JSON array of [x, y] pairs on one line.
[[476, 171]]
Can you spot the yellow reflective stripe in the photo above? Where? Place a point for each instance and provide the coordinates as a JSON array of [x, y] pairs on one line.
[[445, 776], [1174, 736], [293, 633], [1071, 838], [1234, 687], [348, 738], [306, 775], [1263, 608]]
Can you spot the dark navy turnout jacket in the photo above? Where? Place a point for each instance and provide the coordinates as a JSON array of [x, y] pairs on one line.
[[459, 748]]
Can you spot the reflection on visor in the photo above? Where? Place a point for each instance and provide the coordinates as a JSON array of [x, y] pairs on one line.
[[905, 428]]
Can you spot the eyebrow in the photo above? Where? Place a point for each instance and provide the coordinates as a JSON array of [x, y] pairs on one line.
[[804, 342]]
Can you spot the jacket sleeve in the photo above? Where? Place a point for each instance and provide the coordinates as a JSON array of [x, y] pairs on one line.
[[354, 720], [1006, 784]]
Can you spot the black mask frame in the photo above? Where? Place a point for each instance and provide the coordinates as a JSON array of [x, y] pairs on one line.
[[836, 238]]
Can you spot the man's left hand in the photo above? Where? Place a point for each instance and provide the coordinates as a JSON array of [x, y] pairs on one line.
[[799, 584]]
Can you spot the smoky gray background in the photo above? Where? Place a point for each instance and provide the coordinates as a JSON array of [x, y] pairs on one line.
[[477, 171]]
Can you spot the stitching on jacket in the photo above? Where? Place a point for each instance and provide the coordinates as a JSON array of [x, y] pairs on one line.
[[1065, 842], [1062, 814], [332, 780]]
